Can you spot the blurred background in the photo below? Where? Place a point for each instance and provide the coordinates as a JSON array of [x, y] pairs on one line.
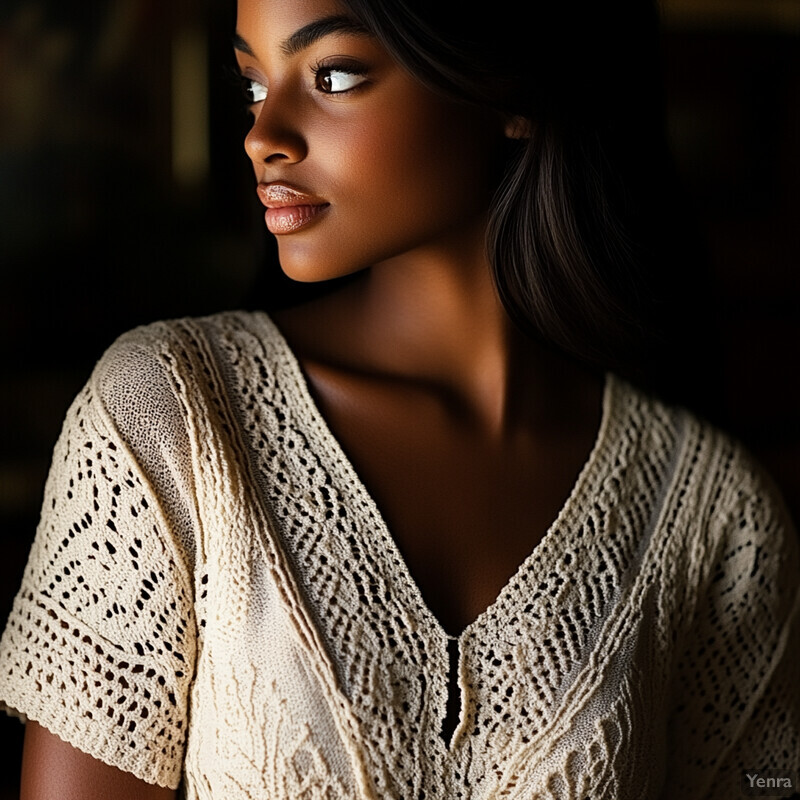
[[125, 197]]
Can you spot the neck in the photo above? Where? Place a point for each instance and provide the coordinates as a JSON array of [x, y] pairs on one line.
[[436, 320]]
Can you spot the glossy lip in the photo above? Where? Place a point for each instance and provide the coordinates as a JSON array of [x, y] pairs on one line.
[[288, 209]]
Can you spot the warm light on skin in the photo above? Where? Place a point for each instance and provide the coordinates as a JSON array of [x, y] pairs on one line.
[[402, 169]]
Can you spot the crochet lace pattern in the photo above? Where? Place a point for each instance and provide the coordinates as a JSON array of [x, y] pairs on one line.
[[213, 602]]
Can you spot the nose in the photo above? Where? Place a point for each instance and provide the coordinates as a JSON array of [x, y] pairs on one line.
[[275, 136]]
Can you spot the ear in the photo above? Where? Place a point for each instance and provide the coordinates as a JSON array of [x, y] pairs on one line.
[[518, 127]]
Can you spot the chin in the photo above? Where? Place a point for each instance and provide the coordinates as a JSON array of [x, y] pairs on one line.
[[306, 265], [299, 264]]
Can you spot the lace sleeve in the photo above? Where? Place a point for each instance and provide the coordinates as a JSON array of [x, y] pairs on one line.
[[768, 745], [99, 647], [737, 694]]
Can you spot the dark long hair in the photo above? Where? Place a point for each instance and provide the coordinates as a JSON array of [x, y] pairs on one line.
[[588, 241]]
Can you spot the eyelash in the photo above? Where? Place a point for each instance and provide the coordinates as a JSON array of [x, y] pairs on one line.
[[247, 86]]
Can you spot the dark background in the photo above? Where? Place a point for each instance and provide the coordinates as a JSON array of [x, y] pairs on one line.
[[125, 197]]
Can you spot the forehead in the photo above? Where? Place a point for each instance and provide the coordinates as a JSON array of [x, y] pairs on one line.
[[263, 21]]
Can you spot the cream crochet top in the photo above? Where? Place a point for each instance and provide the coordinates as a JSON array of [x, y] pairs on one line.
[[214, 602]]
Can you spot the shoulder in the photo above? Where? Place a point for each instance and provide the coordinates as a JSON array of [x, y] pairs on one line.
[[708, 463], [727, 529], [160, 400], [726, 559], [719, 509], [168, 345], [158, 370]]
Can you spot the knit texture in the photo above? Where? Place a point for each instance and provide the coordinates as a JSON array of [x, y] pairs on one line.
[[213, 601]]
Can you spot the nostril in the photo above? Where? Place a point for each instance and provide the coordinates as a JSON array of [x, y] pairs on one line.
[[271, 159]]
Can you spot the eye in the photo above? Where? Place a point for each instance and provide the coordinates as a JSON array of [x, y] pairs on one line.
[[337, 80], [254, 92]]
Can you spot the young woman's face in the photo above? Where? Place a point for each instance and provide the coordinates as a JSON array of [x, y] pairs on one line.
[[357, 162]]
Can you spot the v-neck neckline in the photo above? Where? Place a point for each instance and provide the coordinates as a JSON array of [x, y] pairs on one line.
[[575, 500]]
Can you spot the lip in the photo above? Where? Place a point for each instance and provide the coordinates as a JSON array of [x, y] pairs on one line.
[[288, 209]]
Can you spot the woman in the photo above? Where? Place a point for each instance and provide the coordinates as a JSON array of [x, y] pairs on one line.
[[411, 539]]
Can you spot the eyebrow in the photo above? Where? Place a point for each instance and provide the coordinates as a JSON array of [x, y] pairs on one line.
[[306, 36]]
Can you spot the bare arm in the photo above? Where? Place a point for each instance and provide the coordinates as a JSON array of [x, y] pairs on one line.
[[54, 770]]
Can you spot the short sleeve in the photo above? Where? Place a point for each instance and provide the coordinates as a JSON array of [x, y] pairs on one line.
[[737, 694], [770, 738], [100, 645]]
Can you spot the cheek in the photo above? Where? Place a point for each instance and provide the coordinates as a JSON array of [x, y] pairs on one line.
[[421, 163], [399, 176]]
